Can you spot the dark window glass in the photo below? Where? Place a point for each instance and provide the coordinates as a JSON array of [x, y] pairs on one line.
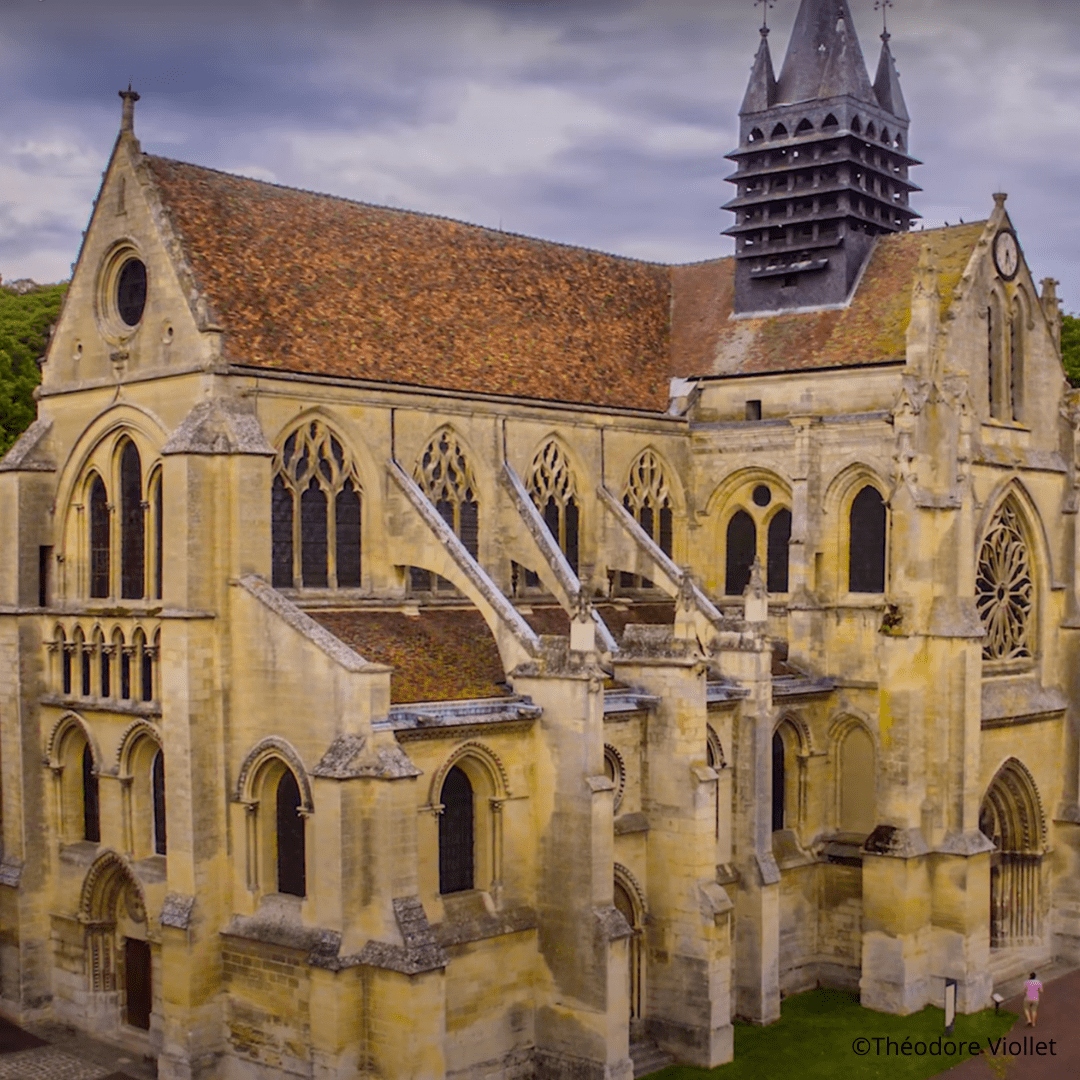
[[470, 527], [777, 781], [132, 527], [131, 292], [138, 991], [44, 563], [762, 496], [91, 819], [65, 667], [147, 674], [125, 674], [291, 859], [347, 507], [159, 541], [281, 527], [313, 552], [85, 664], [158, 783], [866, 567], [99, 539], [551, 518], [779, 536], [106, 672], [573, 521], [741, 550], [456, 834]]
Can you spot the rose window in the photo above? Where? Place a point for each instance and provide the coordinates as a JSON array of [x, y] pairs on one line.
[[1004, 589]]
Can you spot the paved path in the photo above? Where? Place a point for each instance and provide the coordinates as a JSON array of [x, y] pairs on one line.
[[54, 1052], [1058, 1020]]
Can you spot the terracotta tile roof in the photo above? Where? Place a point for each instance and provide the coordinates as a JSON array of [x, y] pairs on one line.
[[442, 655], [312, 283], [553, 620], [705, 340]]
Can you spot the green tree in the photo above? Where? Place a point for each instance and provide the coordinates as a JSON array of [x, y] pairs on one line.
[[25, 319], [1070, 348]]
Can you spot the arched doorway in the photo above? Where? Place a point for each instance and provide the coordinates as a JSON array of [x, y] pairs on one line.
[[630, 904], [118, 952], [1011, 817]]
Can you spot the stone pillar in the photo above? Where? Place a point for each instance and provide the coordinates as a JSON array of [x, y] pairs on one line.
[[582, 1013], [688, 1010]]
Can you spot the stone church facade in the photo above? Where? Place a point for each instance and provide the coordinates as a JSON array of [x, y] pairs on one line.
[[432, 652]]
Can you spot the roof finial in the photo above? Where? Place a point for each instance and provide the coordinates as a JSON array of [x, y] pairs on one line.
[[765, 5], [127, 115], [883, 6]]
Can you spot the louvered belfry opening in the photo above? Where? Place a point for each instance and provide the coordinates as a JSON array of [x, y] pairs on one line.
[[456, 834], [832, 174]]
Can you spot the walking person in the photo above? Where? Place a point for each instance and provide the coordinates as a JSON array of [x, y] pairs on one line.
[[1032, 992]]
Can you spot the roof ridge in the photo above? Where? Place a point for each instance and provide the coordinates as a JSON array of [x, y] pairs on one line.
[[413, 213]]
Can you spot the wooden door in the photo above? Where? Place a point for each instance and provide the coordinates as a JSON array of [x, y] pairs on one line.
[[138, 989]]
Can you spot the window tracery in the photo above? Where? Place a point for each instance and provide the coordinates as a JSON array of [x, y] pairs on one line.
[[648, 498], [1004, 589], [554, 491], [319, 547], [446, 478]]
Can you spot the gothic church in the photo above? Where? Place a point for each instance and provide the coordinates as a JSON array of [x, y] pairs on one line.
[[428, 652]]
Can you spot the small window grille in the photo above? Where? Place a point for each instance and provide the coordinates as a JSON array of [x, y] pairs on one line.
[[866, 559], [291, 854], [132, 525], [456, 834]]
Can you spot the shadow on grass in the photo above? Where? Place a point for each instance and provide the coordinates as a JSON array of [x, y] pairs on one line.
[[815, 1036]]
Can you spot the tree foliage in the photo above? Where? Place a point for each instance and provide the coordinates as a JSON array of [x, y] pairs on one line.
[[1070, 348], [25, 319]]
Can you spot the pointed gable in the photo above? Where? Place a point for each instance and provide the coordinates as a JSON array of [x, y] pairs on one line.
[[824, 58], [887, 83], [761, 91]]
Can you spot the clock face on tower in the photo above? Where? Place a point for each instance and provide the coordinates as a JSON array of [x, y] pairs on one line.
[[1006, 254]]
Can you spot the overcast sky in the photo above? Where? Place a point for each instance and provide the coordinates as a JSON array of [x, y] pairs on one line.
[[595, 122]]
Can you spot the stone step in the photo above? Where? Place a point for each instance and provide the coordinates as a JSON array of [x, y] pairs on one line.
[[648, 1058]]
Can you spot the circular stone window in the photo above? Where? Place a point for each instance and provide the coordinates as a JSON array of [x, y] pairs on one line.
[[131, 291], [762, 496]]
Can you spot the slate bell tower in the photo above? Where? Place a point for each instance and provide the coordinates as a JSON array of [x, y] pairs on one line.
[[822, 165]]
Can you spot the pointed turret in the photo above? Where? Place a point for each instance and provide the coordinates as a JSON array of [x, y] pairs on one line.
[[822, 166], [823, 58], [761, 91], [887, 83]]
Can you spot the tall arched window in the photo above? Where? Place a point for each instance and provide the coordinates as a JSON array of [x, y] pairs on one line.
[[1016, 360], [84, 661], [779, 782], [157, 784], [99, 539], [91, 816], [554, 491], [777, 554], [291, 853], [1004, 588], [866, 551], [456, 833], [320, 547], [159, 541], [446, 478], [995, 329], [132, 525], [104, 665], [741, 552], [648, 498], [858, 781]]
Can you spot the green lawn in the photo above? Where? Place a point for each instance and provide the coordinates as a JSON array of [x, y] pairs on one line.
[[813, 1040]]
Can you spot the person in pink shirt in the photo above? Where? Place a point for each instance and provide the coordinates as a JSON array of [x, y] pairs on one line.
[[1032, 990]]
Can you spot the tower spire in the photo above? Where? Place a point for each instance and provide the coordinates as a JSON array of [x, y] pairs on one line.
[[823, 57], [761, 90], [887, 81]]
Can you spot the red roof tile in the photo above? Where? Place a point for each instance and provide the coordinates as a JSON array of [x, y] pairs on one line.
[[314, 283]]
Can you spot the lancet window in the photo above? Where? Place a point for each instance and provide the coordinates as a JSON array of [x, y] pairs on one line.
[[759, 529], [456, 833], [315, 512], [1004, 589], [132, 525], [291, 850], [648, 498], [446, 478], [99, 539], [554, 491], [866, 548]]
